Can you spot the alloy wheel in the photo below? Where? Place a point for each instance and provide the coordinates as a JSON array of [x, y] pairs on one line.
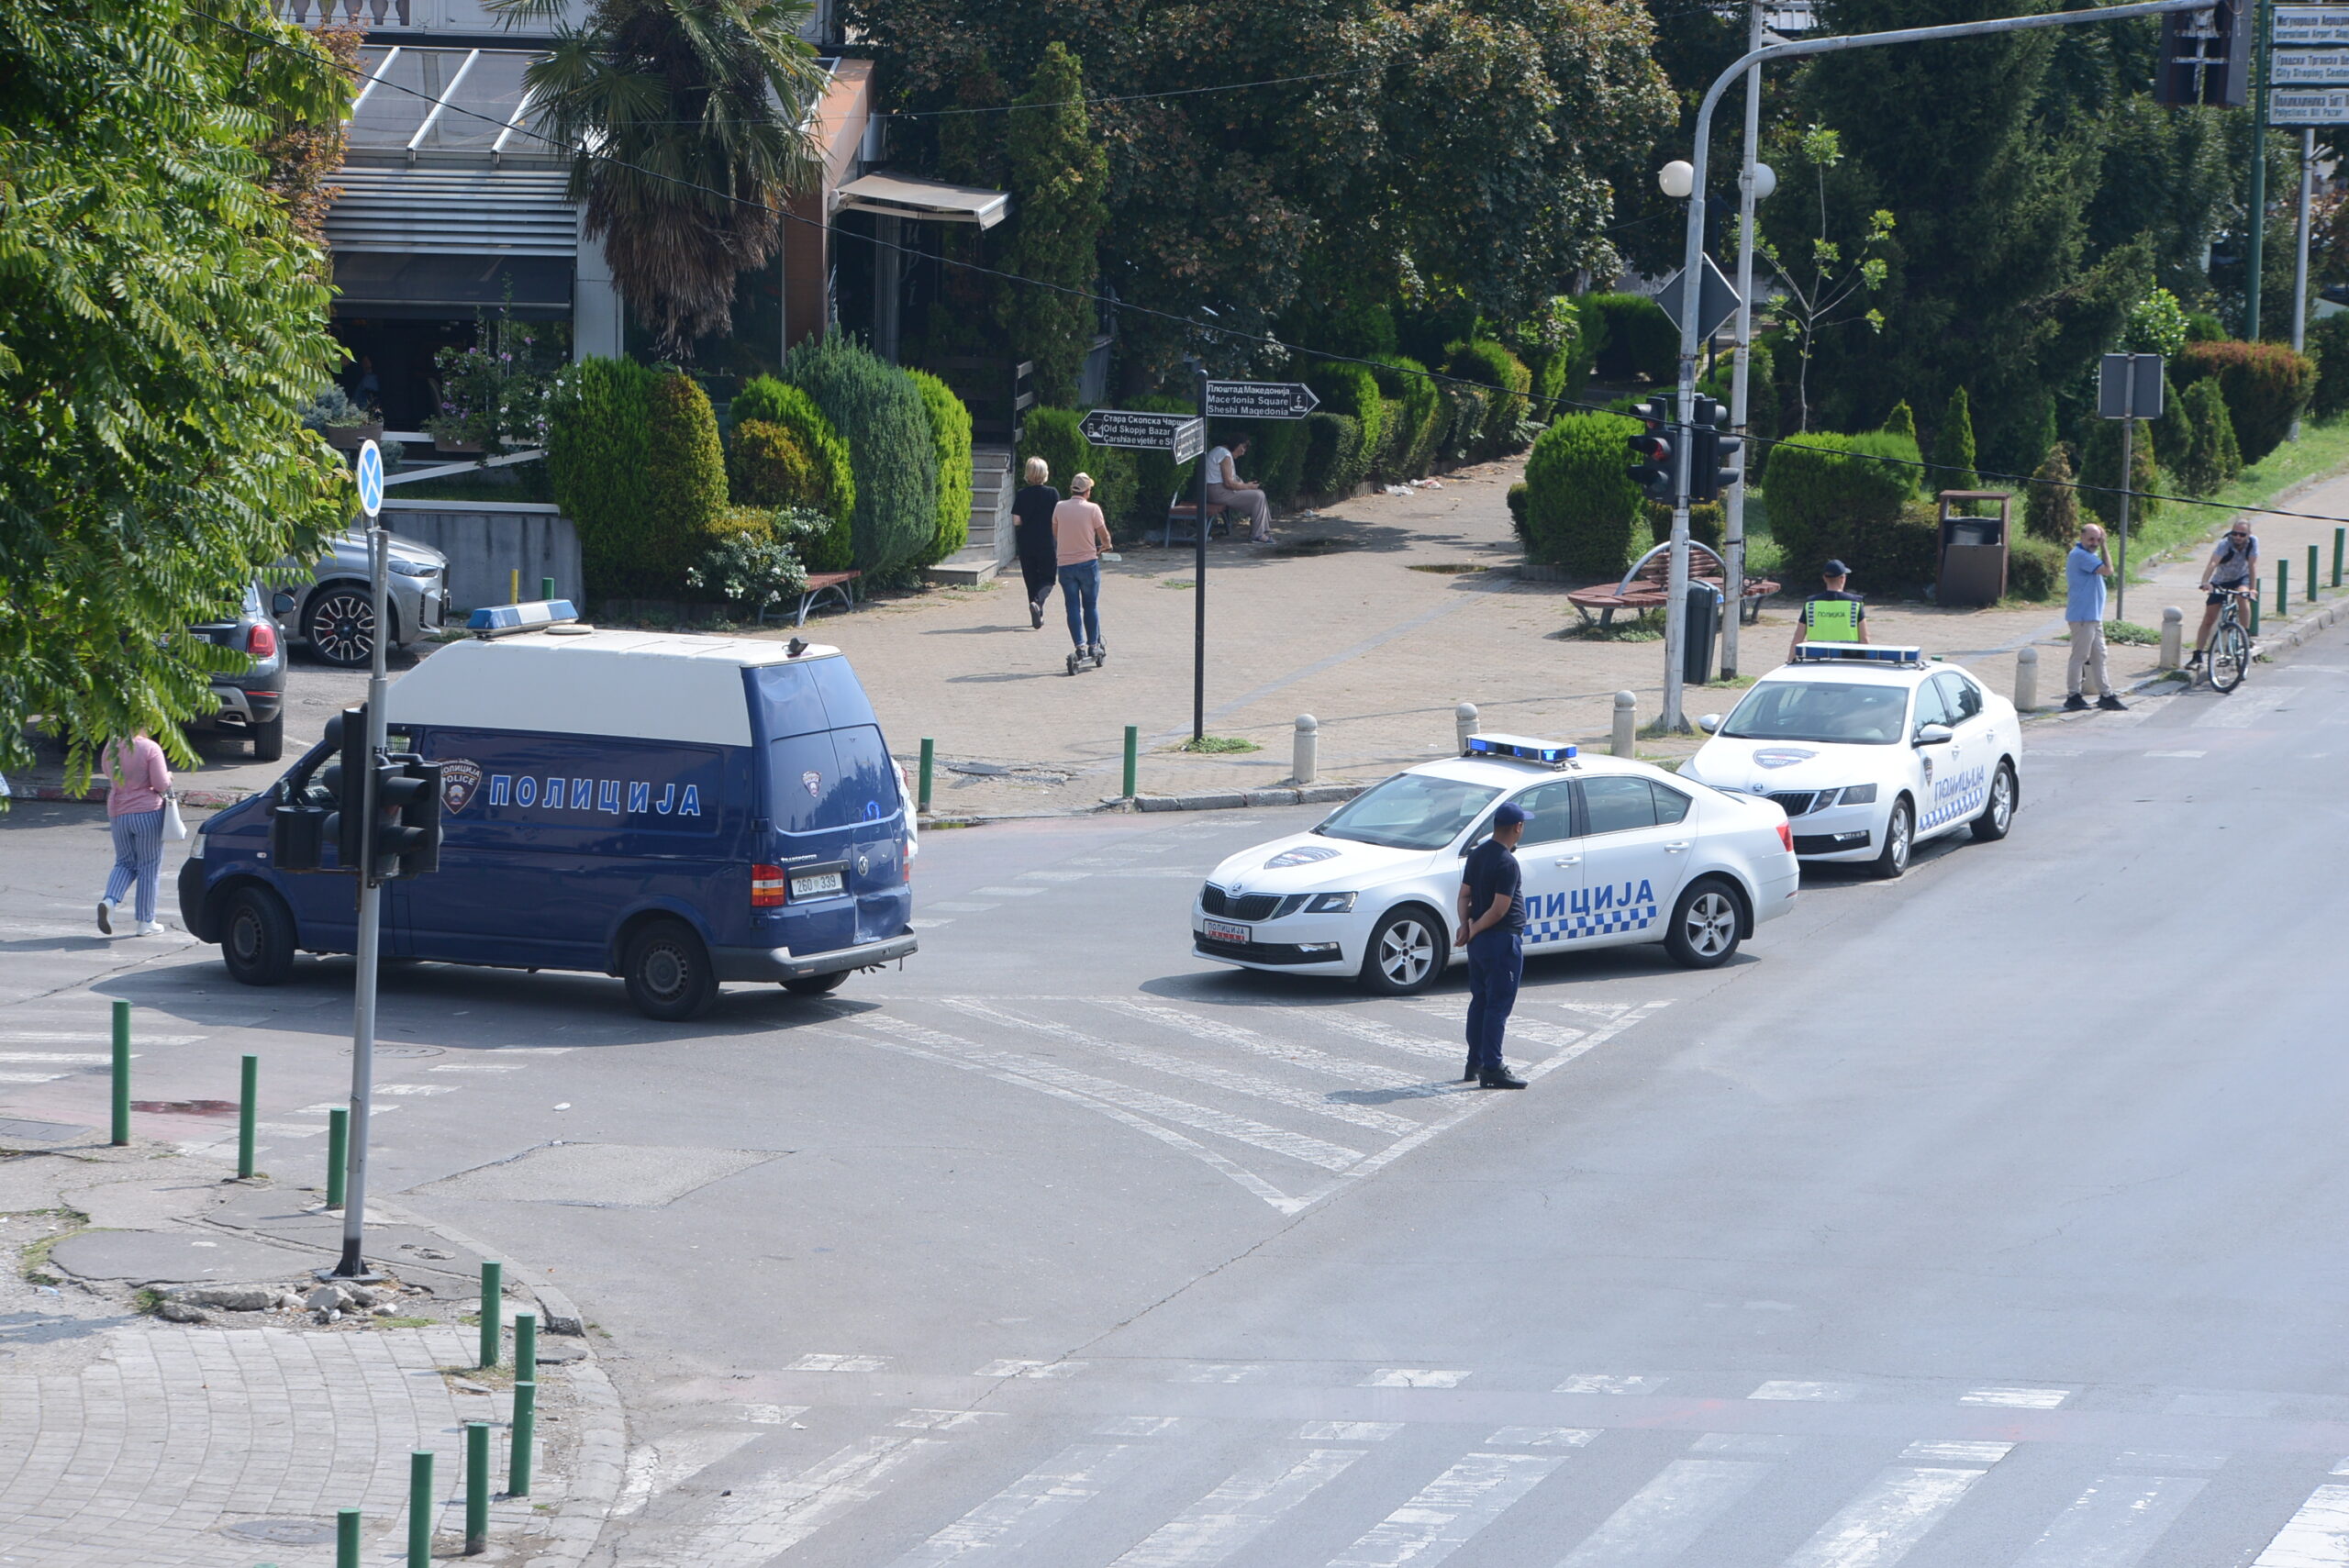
[[1406, 952], [1710, 925]]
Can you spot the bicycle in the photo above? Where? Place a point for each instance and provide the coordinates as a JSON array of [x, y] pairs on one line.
[[2228, 659]]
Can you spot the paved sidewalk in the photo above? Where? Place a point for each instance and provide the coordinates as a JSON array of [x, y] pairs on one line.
[[230, 1440]]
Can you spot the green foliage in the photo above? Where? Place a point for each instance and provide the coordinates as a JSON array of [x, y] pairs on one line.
[[1060, 183], [1157, 477], [1901, 421], [2035, 567], [1580, 507], [2173, 431], [765, 400], [596, 448], [2100, 476], [2157, 325], [1467, 410], [750, 569], [1279, 458], [1953, 447], [495, 392], [1707, 523], [1556, 350], [1334, 456], [1827, 491], [766, 466], [1631, 338], [1900, 553], [1520, 496], [1486, 363], [2212, 457], [2265, 386], [879, 414], [2202, 326], [950, 434], [1352, 390], [2051, 508], [684, 478], [2328, 341], [1052, 434], [1423, 411], [162, 321]]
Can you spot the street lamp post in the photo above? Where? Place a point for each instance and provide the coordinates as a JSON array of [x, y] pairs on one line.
[[1751, 187], [1693, 260]]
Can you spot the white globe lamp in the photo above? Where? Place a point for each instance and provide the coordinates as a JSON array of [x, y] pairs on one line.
[[1677, 179]]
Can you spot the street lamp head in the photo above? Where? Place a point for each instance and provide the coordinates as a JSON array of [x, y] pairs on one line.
[[1677, 179], [1765, 180]]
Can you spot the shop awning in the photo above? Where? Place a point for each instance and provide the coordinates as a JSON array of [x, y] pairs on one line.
[[934, 200]]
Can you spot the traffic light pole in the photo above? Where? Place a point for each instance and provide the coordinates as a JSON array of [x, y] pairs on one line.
[[353, 1264], [1733, 503], [1693, 261]]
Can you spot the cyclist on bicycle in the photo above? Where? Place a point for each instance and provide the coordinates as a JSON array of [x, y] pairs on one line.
[[2234, 563]]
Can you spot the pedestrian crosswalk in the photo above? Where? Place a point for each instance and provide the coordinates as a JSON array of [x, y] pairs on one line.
[[1055, 1481]]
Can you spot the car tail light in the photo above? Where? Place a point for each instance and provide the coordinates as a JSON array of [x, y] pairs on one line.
[[262, 642], [769, 888], [1787, 837]]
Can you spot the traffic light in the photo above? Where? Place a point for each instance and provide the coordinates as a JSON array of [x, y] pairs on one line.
[[347, 824], [1709, 468], [1653, 448], [407, 817], [297, 830], [2206, 56]]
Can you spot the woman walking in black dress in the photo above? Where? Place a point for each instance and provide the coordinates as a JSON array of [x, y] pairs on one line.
[[1031, 510]]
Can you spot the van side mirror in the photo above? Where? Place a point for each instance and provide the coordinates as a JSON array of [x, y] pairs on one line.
[[1710, 723], [281, 603], [1935, 735]]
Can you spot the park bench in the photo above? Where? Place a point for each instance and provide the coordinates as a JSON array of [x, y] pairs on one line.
[[841, 585], [1643, 587], [1188, 513]]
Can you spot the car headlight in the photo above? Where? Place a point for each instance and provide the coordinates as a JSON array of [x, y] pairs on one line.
[[1330, 904], [1858, 794], [414, 568]]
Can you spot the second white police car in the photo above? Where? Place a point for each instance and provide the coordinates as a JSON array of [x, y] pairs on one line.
[[1614, 852], [1870, 751]]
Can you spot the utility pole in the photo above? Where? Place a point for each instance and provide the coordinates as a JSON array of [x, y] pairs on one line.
[[1733, 503], [353, 1262], [2258, 200], [2300, 261]]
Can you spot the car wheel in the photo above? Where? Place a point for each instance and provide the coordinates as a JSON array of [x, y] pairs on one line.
[[816, 984], [1998, 811], [1407, 953], [257, 938], [1705, 925], [341, 626], [667, 972], [1899, 838], [269, 739]]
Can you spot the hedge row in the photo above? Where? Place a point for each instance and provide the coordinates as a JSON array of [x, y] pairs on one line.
[[634, 461], [2265, 386], [879, 413]]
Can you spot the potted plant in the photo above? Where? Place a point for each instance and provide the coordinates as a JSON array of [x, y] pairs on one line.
[[492, 396], [345, 424]]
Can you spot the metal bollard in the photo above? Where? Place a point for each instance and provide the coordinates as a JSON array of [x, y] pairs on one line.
[[1464, 723], [2340, 536], [2026, 679], [493, 1304], [346, 1538], [514, 589], [121, 1073], [337, 1153], [2283, 587], [2255, 607], [526, 1346], [248, 1086], [420, 1509], [1305, 755], [2312, 593], [546, 587], [1625, 740], [476, 1487], [1133, 746], [928, 766], [526, 1422], [2173, 638]]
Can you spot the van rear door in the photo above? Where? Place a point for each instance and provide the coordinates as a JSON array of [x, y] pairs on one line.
[[833, 799]]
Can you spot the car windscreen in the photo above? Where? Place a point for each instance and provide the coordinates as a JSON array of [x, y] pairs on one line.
[[1410, 811], [1842, 713]]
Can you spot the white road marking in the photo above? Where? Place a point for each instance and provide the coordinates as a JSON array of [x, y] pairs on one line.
[[1241, 1373], [1055, 875], [1540, 1437], [959, 906], [74, 1058], [945, 1420], [1374, 1031], [2019, 1398], [1238, 1511], [1413, 1377], [1883, 1523], [2241, 710], [89, 1037], [32, 1077], [763, 1521], [1029, 1368], [529, 1049], [928, 924], [1138, 1426], [288, 1130], [1600, 1383], [2316, 1537], [1944, 1451], [1773, 1443], [1664, 1518], [1449, 1509], [2113, 1523], [2179, 754], [325, 1107], [416, 1088], [820, 1361], [1348, 1431], [476, 1067], [1238, 1083], [772, 1415], [656, 1467], [1008, 891], [1004, 1523], [1522, 1027], [1305, 1056], [2137, 1459], [1792, 1390]]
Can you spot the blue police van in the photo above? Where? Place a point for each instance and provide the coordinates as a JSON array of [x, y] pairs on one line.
[[675, 811]]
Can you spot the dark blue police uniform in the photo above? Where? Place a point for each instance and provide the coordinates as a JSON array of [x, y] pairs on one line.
[[1495, 956]]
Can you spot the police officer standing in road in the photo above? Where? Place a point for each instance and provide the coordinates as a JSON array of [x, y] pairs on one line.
[[1831, 615], [1492, 932]]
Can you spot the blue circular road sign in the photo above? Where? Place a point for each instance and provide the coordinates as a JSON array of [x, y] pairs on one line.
[[371, 478]]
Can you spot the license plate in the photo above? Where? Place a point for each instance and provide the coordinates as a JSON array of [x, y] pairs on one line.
[[816, 886], [1223, 931]]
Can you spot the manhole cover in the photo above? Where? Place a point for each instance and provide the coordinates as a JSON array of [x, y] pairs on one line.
[[284, 1533], [186, 1107], [403, 1053]]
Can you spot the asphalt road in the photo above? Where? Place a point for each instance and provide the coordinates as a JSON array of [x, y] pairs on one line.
[[1985, 1218]]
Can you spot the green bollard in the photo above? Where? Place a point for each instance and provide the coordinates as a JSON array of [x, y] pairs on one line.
[[2311, 574], [1133, 738], [2255, 608], [546, 587], [492, 1306], [248, 1086], [337, 1153], [928, 759], [526, 1422], [346, 1538], [476, 1487], [526, 1346], [2340, 536], [121, 1073], [2283, 587], [420, 1509]]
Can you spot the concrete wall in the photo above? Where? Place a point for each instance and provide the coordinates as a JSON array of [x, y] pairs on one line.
[[487, 542]]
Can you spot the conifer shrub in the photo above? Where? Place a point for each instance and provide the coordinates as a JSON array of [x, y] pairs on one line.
[[763, 400], [949, 435], [1580, 507], [1826, 489], [879, 414]]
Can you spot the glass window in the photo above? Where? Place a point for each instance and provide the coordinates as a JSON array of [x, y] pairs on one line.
[[1410, 811], [1827, 711], [1549, 812], [832, 780], [1617, 803], [1671, 805], [1930, 709], [1961, 697]]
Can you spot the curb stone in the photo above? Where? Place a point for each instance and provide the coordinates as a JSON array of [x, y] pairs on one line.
[[2302, 629]]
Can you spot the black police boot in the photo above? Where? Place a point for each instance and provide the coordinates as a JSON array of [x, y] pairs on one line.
[[1499, 1078]]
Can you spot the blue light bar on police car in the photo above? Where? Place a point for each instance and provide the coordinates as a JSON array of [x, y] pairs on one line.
[[1519, 747], [492, 620], [1855, 654]]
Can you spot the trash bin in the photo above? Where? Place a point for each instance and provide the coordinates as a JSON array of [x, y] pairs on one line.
[[1973, 569], [1703, 624]]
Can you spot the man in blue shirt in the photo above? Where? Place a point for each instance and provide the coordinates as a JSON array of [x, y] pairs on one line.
[[2084, 570], [1492, 931]]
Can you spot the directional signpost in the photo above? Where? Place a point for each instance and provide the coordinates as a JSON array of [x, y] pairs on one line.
[[1260, 400], [1182, 435], [2295, 27]]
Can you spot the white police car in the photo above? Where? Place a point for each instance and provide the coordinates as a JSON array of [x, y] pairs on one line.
[[1614, 852], [1870, 751]]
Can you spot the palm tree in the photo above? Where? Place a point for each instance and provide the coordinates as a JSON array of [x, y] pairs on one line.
[[690, 120]]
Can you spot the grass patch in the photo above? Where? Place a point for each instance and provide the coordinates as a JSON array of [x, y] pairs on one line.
[[1622, 631], [1219, 744], [1731, 683], [1176, 583], [403, 1322], [2130, 634], [147, 1300], [32, 1263]]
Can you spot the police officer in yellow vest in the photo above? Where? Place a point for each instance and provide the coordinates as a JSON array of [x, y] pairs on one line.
[[1830, 615]]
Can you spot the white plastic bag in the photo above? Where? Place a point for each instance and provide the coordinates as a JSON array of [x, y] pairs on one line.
[[174, 828]]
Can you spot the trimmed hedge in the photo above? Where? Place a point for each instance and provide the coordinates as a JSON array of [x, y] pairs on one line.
[[684, 478], [1352, 390], [1334, 458], [1632, 337], [950, 435], [1707, 523], [2034, 569], [1157, 477], [878, 413], [2265, 386], [1953, 447], [1052, 434], [1422, 418], [595, 440], [1279, 458], [1463, 427], [1899, 554], [768, 467], [2328, 342], [1489, 364], [1580, 507], [763, 400], [1825, 491]]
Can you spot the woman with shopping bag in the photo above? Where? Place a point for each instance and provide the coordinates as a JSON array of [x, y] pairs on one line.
[[141, 811]]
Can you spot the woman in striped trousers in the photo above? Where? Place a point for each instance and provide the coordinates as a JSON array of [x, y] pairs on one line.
[[139, 780]]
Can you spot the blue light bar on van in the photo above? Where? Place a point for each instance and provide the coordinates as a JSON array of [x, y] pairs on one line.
[[1519, 747], [492, 620], [1855, 654]]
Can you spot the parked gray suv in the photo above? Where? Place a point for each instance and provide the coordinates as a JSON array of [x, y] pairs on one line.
[[252, 700], [336, 615]]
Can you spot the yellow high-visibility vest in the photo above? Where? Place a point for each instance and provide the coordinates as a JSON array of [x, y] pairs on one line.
[[1831, 620]]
